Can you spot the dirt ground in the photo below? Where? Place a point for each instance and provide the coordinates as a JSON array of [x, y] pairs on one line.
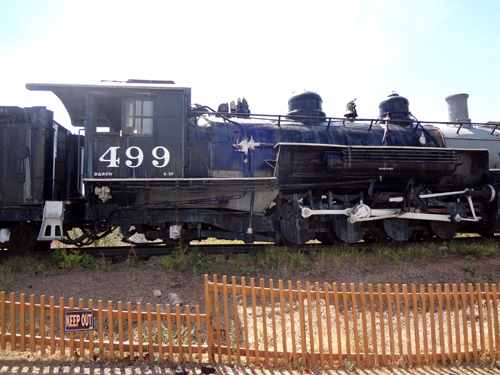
[[136, 284]]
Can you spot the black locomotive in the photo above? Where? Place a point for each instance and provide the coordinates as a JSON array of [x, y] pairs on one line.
[[148, 161]]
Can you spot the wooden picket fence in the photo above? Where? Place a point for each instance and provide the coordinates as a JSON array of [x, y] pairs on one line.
[[328, 325], [117, 332]]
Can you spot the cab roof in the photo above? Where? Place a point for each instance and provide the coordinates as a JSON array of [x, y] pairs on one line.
[[73, 96]]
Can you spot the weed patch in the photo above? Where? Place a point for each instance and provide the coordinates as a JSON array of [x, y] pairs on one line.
[[471, 251]]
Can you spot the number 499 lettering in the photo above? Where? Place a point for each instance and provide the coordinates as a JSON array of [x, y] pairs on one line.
[[135, 157]]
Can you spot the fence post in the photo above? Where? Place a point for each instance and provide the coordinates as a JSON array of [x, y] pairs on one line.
[[245, 319], [217, 319], [111, 332], [472, 322], [150, 333], [273, 318], [82, 334], [398, 320], [424, 324], [235, 313], [337, 322], [406, 306], [414, 301], [481, 317], [32, 323], [441, 324], [326, 288], [495, 316], [292, 321], [264, 320], [12, 308], [208, 312], [448, 323], [373, 325], [179, 332], [354, 310], [42, 324], [302, 324], [91, 332], [22, 321], [139, 330], [72, 333], [390, 322], [189, 341], [309, 320], [226, 318], [457, 323], [101, 329], [120, 329], [52, 326], [320, 325], [159, 333], [364, 328], [131, 351], [2, 320], [346, 323], [198, 333], [171, 333], [488, 318], [464, 321], [62, 334]]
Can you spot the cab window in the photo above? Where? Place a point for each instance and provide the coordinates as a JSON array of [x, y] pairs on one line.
[[138, 117]]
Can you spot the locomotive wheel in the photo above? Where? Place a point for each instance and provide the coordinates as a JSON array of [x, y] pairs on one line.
[[295, 230], [346, 231], [22, 238], [398, 229], [443, 230], [488, 225]]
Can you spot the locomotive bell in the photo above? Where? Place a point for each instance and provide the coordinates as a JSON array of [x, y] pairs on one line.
[[307, 103], [395, 107], [351, 110]]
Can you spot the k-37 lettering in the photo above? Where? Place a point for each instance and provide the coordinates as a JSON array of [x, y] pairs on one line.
[[135, 157]]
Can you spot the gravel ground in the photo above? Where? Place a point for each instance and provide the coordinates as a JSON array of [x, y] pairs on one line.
[[20, 363], [137, 285]]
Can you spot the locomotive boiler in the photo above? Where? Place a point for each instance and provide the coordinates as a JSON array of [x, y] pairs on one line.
[[148, 161]]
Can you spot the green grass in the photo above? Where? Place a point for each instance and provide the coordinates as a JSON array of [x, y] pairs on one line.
[[287, 260], [61, 259], [280, 260]]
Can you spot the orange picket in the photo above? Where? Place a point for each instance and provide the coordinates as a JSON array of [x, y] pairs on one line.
[[22, 321], [120, 329]]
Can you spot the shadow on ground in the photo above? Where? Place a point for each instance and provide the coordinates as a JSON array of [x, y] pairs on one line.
[[23, 363]]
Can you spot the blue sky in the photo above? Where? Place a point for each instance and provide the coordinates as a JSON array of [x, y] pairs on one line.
[[261, 50]]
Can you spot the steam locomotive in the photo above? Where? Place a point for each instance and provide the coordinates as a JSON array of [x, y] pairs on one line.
[[149, 162]]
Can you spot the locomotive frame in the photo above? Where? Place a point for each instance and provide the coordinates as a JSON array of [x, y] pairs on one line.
[[150, 162]]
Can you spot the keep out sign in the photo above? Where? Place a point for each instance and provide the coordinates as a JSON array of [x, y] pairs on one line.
[[78, 320]]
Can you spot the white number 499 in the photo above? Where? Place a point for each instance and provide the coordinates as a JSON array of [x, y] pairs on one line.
[[135, 157]]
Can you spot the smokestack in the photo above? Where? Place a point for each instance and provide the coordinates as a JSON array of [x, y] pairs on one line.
[[457, 108]]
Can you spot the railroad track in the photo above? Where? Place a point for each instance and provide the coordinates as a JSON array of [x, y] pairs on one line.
[[148, 250]]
